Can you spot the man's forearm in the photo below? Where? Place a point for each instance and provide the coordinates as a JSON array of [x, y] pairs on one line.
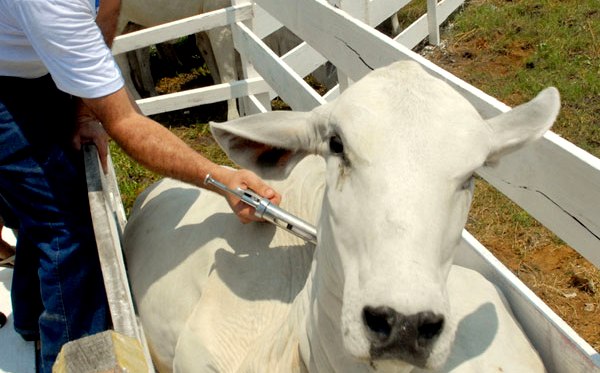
[[156, 148], [148, 142]]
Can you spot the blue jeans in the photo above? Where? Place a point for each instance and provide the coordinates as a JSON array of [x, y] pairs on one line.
[[57, 291]]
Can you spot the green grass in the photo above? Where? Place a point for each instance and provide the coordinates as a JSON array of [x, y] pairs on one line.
[[131, 177], [519, 47]]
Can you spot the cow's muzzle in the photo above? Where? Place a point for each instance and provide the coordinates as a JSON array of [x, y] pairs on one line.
[[393, 335]]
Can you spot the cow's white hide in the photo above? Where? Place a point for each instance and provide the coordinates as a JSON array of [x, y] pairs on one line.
[[385, 172], [216, 45]]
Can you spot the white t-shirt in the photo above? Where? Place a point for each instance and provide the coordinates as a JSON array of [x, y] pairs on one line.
[[60, 37]]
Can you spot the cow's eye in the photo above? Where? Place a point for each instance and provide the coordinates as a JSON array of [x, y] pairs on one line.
[[336, 145]]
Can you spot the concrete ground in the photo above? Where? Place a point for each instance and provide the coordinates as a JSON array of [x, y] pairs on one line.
[[16, 355]]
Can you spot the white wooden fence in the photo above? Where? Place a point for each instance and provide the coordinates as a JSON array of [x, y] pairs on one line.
[[555, 181]]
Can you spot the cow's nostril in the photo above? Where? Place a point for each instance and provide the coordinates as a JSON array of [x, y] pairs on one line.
[[379, 321], [430, 326]]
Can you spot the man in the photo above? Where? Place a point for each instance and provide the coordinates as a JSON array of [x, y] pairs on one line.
[[58, 293]]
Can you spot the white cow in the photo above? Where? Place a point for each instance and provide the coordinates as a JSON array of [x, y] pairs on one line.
[[386, 173], [216, 45]]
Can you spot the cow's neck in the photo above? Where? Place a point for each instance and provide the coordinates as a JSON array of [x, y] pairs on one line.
[[320, 333], [310, 337], [320, 307]]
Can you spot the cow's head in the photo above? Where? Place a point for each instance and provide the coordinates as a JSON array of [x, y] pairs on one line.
[[401, 148]]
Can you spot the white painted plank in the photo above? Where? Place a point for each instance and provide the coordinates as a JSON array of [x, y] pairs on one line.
[[254, 103], [413, 34], [179, 28], [202, 96], [109, 247], [561, 348], [356, 49], [358, 8], [263, 23], [418, 30], [303, 59], [16, 355], [559, 185], [332, 94], [255, 106], [289, 85], [381, 10], [106, 208], [432, 22]]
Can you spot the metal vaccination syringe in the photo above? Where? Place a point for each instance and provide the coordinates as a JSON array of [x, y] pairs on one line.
[[270, 212]]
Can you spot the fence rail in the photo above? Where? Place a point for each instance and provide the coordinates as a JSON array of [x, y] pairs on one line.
[[179, 28]]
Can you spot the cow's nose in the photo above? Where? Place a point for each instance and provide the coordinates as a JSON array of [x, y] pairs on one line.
[[397, 336]]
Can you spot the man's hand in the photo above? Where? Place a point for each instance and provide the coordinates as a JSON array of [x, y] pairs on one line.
[[245, 179], [89, 130]]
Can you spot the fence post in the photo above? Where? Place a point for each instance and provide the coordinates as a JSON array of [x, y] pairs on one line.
[[432, 21], [251, 104]]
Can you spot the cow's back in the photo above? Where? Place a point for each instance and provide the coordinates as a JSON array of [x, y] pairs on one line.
[[201, 278]]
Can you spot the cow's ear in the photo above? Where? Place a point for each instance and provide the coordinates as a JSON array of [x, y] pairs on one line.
[[269, 144], [523, 124]]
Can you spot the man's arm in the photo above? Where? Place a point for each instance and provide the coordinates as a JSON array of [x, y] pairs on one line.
[[151, 144], [156, 148], [108, 18], [88, 128]]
